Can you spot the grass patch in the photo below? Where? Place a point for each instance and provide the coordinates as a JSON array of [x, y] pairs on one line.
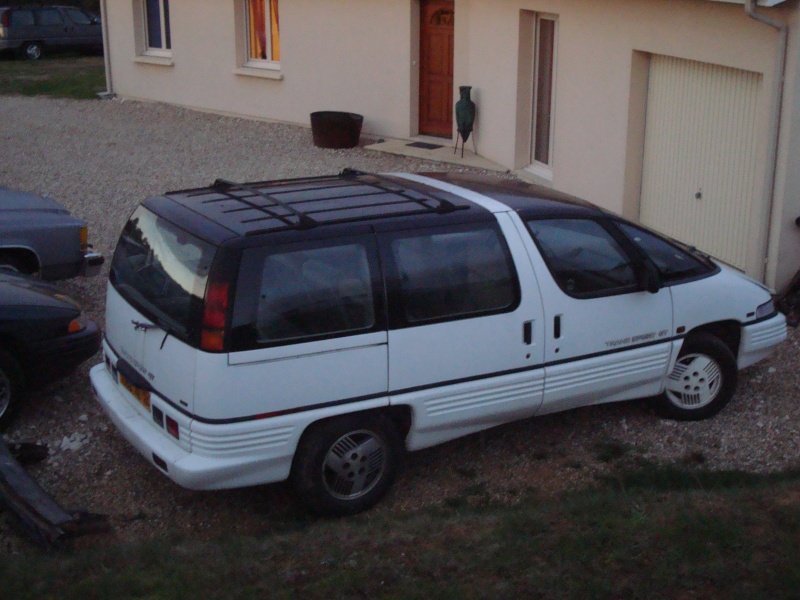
[[712, 536], [63, 76]]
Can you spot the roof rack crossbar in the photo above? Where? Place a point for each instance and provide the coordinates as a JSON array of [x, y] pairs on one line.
[[445, 205], [304, 221], [421, 211], [359, 207]]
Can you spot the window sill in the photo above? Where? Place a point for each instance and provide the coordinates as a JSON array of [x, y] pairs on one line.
[[162, 61], [259, 72]]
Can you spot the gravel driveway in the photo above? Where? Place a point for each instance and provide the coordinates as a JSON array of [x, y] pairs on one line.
[[101, 158]]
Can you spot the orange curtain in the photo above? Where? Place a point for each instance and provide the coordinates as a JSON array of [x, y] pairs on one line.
[[275, 30], [258, 29]]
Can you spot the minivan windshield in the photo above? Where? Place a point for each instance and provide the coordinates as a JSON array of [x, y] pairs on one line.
[[162, 271]]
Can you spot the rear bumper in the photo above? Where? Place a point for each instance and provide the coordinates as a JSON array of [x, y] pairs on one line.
[[216, 469], [760, 339]]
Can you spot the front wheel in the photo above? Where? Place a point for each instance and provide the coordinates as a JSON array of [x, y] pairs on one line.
[[346, 465], [703, 380]]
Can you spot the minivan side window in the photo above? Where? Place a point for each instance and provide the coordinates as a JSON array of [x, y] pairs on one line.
[[452, 273], [21, 17], [300, 292], [48, 16], [584, 259]]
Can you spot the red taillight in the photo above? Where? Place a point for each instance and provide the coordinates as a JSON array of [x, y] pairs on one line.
[[216, 307], [5, 19], [172, 428]]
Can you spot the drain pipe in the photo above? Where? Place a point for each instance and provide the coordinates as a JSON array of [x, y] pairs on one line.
[[109, 93], [775, 115]]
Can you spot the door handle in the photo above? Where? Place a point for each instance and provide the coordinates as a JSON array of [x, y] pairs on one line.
[[527, 332]]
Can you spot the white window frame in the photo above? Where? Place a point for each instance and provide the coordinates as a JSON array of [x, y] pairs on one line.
[[269, 62], [540, 168], [163, 50]]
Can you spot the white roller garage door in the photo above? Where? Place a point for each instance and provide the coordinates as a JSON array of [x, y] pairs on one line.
[[699, 173]]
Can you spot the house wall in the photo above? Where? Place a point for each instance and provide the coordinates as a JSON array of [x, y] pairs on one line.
[[784, 243], [329, 50]]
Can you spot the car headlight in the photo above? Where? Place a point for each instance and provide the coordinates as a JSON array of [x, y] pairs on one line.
[[765, 309]]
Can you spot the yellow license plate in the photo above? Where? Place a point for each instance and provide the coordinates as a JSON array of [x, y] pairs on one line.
[[143, 396]]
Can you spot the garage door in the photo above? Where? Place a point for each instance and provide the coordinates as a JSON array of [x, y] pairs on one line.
[[699, 173]]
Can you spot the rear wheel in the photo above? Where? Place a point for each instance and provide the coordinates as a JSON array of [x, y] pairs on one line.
[[10, 387], [703, 380], [32, 51], [346, 465]]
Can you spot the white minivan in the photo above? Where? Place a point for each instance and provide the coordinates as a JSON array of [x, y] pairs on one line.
[[315, 329]]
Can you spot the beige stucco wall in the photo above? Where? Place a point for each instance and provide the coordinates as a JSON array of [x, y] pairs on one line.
[[361, 56], [335, 55]]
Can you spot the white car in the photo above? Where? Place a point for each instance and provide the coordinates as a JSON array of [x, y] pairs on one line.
[[316, 329]]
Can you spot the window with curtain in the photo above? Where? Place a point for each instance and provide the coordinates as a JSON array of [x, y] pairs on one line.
[[263, 24], [157, 25]]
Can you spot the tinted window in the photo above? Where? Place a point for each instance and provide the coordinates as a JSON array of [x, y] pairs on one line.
[[583, 257], [446, 274], [48, 16], [303, 292], [162, 270], [78, 16], [672, 262], [21, 18]]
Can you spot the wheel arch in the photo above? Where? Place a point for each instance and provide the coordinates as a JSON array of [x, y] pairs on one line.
[[728, 331], [399, 415], [24, 254]]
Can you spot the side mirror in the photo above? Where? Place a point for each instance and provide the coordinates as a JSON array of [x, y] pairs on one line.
[[648, 277]]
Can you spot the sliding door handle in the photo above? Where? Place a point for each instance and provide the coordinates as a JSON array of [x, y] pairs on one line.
[[527, 332]]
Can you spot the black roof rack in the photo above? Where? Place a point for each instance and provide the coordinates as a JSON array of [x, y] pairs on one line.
[[262, 202]]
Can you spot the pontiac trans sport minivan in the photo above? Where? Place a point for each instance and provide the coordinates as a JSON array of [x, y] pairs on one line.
[[315, 329]]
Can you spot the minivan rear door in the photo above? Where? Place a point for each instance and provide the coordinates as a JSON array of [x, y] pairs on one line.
[[466, 333]]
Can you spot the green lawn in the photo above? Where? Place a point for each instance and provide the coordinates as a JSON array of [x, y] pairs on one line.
[[654, 533], [67, 76]]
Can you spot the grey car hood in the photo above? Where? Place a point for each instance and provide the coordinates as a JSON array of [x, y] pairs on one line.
[[13, 200]]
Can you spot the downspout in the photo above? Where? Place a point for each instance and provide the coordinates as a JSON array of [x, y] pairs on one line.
[[775, 116], [109, 93]]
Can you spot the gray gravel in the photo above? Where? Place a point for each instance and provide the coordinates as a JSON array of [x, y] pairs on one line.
[[101, 158]]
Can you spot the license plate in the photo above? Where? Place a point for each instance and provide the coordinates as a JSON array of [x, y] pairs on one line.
[[143, 396]]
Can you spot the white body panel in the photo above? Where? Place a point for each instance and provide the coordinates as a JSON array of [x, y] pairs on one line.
[[472, 348], [291, 376], [608, 349]]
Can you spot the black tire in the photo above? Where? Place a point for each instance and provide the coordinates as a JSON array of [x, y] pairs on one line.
[[32, 51], [12, 263], [703, 380], [10, 388], [346, 465]]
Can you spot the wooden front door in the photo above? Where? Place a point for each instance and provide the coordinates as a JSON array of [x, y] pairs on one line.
[[436, 68]]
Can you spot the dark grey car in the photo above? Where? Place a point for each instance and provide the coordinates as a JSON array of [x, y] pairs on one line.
[[38, 235], [30, 30]]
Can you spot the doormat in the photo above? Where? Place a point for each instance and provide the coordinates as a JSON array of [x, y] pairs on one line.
[[424, 145]]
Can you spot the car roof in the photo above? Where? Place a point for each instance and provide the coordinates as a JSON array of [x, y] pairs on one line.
[[528, 199], [350, 198]]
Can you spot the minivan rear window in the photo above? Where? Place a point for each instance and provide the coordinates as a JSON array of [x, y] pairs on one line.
[[162, 271]]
